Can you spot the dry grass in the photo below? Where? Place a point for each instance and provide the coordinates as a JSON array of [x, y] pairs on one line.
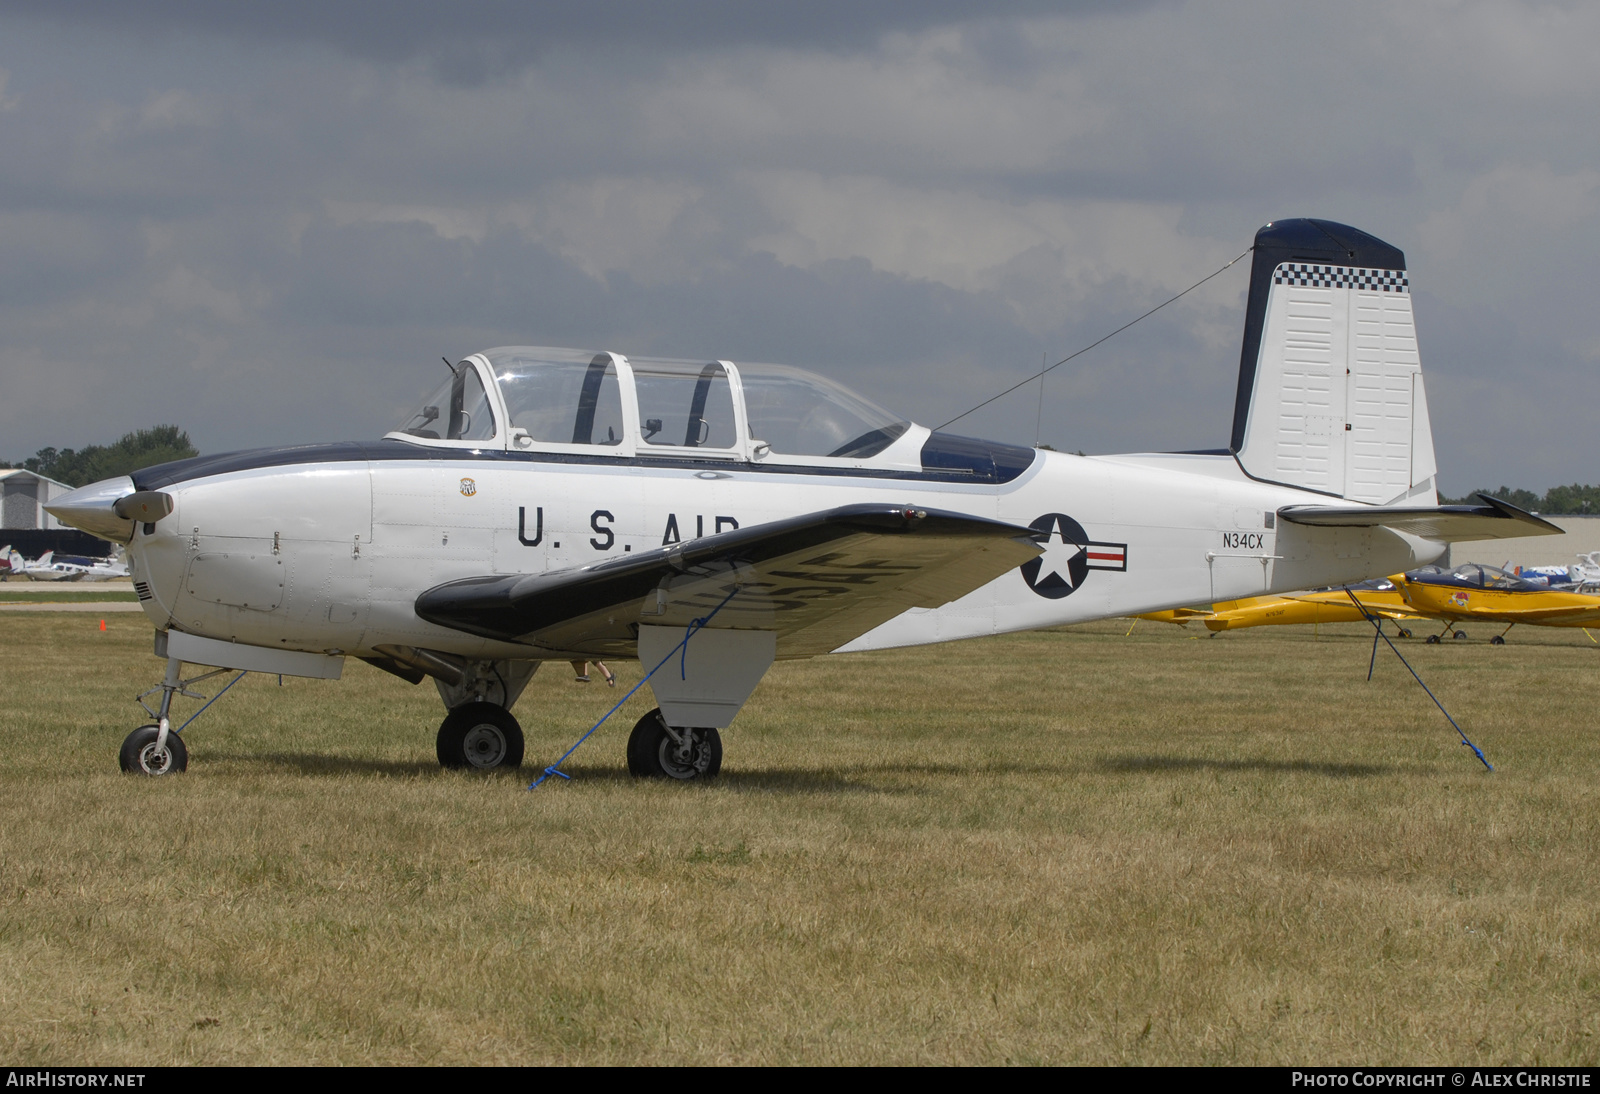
[[1063, 847], [60, 592]]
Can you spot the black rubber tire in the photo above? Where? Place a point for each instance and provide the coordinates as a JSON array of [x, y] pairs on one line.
[[480, 737], [1433, 640], [138, 753], [652, 752], [1405, 633], [1497, 640], [1460, 634]]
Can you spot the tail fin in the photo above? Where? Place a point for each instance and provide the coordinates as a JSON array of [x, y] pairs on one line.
[[46, 558], [1330, 384]]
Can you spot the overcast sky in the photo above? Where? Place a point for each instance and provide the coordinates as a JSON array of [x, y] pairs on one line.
[[267, 222]]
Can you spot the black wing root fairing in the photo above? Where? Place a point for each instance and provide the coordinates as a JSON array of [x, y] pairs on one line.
[[818, 580]]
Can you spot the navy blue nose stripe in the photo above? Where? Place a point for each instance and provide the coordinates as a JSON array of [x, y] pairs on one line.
[[945, 458]]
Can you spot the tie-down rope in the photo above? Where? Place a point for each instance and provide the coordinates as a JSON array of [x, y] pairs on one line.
[[1377, 623], [689, 632]]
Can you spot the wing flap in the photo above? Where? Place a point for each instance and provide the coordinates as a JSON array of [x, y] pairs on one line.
[[1495, 519], [818, 581]]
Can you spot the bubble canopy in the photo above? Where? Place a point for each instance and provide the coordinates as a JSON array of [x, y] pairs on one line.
[[528, 398]]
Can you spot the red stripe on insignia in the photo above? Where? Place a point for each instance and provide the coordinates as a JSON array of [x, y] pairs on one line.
[[1114, 558]]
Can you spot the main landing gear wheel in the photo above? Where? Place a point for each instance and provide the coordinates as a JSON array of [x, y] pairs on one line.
[[1497, 640], [480, 737], [656, 752], [1461, 634], [140, 756], [1405, 632], [1433, 640]]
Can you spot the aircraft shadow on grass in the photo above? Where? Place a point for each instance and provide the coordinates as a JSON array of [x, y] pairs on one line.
[[1134, 764], [854, 780], [314, 763], [860, 779]]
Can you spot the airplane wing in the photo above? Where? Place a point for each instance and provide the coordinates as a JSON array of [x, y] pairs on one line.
[[819, 581], [1566, 615], [1495, 519], [1395, 609]]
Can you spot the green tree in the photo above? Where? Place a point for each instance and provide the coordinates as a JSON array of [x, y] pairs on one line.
[[141, 448], [1558, 501], [1573, 499]]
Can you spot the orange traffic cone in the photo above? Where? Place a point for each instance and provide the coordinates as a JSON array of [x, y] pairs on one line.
[[102, 624]]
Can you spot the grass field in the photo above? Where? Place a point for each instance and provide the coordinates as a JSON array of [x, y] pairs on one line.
[[59, 592], [1075, 846]]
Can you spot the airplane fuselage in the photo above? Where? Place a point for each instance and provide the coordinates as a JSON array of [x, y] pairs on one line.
[[330, 554]]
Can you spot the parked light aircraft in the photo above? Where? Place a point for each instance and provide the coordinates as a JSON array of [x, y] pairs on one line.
[[1377, 597], [1582, 577], [43, 568], [550, 505], [1473, 591], [49, 568]]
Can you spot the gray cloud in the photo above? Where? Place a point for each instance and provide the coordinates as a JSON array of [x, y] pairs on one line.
[[471, 42], [267, 223]]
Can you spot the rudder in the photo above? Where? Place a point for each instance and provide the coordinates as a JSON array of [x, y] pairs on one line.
[[1330, 393]]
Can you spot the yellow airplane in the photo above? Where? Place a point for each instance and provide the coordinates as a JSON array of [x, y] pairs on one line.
[[1472, 591], [1469, 592], [1379, 597]]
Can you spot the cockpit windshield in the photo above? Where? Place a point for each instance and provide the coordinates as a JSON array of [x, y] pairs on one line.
[[560, 396], [458, 411], [799, 413], [684, 403], [1492, 577], [653, 407]]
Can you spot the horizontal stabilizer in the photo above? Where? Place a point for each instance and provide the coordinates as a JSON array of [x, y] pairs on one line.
[[818, 581], [1494, 519]]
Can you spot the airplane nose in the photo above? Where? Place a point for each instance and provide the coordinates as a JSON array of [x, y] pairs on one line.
[[110, 508]]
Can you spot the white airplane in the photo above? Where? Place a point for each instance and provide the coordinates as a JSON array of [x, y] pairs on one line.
[[98, 569], [48, 568], [44, 568], [708, 518]]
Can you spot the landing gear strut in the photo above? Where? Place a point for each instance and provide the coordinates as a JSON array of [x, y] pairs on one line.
[[657, 751], [480, 737], [157, 749]]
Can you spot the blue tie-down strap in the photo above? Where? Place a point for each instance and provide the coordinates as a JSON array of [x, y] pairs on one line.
[[1373, 619], [695, 625]]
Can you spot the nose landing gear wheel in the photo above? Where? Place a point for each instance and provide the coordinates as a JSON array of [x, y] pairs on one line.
[[480, 737], [655, 752], [139, 755]]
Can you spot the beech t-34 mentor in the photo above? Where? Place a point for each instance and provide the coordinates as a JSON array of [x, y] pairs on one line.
[[549, 505]]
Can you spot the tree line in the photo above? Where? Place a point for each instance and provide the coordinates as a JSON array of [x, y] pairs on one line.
[[141, 448], [1574, 500]]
